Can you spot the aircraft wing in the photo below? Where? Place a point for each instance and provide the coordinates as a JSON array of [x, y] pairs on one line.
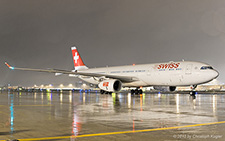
[[121, 78]]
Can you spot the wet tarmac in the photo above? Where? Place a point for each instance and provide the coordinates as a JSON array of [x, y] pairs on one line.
[[92, 116]]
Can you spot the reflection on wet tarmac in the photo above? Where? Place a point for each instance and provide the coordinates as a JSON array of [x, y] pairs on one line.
[[11, 112], [28, 115]]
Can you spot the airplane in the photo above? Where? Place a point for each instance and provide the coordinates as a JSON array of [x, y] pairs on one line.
[[112, 79]]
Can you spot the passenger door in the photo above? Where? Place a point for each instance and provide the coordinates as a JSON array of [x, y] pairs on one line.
[[149, 71], [188, 69]]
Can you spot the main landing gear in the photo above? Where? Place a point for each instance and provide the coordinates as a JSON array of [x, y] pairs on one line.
[[136, 91]]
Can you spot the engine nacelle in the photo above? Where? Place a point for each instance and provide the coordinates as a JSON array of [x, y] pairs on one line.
[[110, 85], [165, 88], [172, 88]]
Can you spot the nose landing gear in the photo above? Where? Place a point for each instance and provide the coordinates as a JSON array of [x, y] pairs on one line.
[[193, 92]]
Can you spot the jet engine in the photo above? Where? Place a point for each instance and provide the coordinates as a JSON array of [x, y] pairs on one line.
[[165, 88], [110, 85], [172, 88]]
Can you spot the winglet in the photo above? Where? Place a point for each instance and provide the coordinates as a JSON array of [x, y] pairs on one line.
[[12, 68]]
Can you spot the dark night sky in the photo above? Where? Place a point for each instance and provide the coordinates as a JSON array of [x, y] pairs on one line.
[[39, 34]]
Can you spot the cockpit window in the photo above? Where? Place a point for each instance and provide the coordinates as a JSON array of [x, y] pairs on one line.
[[206, 67]]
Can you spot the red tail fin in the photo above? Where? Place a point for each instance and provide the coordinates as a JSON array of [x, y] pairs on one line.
[[78, 62]]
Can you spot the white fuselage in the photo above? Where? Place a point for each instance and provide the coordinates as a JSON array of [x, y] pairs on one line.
[[183, 73]]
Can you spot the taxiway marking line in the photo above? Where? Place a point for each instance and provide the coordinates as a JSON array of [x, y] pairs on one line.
[[122, 132]]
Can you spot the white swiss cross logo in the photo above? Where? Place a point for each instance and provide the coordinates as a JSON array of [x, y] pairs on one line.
[[76, 57]]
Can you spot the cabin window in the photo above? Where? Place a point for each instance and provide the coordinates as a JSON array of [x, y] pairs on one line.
[[115, 72]]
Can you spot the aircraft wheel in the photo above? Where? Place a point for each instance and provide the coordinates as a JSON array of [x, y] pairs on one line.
[[136, 91], [193, 93], [132, 91]]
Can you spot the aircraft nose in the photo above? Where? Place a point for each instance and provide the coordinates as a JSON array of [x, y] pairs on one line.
[[215, 73]]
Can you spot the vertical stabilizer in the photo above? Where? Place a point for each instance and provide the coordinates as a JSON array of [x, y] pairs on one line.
[[78, 62]]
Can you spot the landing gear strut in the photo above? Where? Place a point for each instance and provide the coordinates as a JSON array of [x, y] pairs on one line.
[[105, 92], [102, 91], [136, 91]]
